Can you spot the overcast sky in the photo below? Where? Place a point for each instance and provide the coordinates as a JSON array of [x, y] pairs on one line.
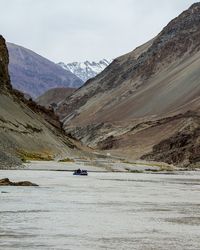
[[78, 30]]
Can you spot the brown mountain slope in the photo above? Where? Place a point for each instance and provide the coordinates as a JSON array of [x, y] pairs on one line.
[[25, 130], [142, 97], [54, 96]]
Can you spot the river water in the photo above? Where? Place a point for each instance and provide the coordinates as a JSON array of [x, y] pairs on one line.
[[101, 211]]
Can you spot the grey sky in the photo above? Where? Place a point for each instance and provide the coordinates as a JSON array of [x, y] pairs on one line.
[[76, 30]]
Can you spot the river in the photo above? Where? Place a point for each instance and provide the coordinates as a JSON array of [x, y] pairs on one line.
[[100, 211]]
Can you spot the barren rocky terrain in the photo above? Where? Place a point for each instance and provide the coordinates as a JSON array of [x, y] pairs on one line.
[[27, 131], [53, 96], [145, 103]]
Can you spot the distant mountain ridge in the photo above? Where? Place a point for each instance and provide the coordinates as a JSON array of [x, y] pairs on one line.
[[33, 74], [86, 70]]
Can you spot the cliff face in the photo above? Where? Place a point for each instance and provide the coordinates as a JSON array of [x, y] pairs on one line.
[[143, 97], [5, 85], [25, 130]]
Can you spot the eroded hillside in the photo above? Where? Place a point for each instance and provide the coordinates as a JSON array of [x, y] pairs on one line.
[[144, 97], [24, 127]]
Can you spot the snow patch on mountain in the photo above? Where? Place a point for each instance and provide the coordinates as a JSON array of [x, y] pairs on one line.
[[86, 70]]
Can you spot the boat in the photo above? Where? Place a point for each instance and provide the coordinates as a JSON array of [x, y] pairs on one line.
[[80, 172]]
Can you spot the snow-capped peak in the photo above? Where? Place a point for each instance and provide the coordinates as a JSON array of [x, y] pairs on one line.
[[86, 70]]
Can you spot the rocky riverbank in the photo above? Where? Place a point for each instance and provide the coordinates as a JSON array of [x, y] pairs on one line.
[[7, 182]]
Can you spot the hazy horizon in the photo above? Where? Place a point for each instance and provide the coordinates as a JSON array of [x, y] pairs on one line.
[[85, 30]]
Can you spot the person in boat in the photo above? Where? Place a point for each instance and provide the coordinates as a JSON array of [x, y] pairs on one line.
[[78, 171]]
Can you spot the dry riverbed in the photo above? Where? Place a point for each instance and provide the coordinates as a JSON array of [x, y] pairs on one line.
[[99, 165]]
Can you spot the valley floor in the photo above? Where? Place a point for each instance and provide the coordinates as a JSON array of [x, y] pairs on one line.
[[97, 165]]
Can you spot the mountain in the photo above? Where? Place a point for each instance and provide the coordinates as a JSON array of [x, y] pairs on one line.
[[85, 70], [53, 96], [33, 74], [26, 129], [145, 104]]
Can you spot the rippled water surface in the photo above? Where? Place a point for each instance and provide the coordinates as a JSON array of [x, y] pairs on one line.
[[101, 211]]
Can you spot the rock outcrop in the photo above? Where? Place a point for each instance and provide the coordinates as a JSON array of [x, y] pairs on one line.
[[182, 148], [7, 182], [5, 85]]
